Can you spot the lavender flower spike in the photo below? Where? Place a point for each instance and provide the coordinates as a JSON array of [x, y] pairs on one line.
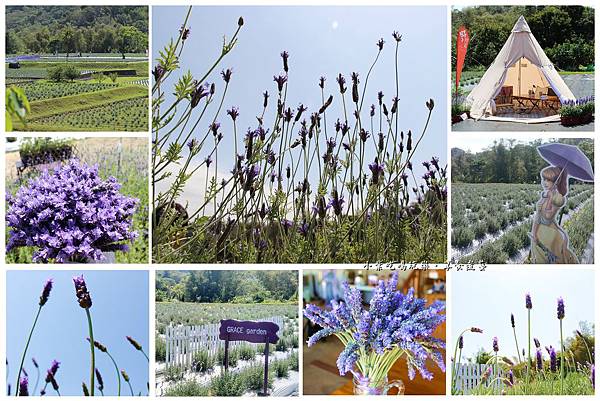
[[83, 295], [495, 344], [536, 342], [560, 309], [23, 387], [538, 358], [528, 303], [135, 344], [46, 292]]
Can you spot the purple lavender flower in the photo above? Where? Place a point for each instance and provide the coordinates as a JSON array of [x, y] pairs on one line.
[[233, 112], [476, 330], [226, 74], [284, 58], [380, 43], [303, 229], [70, 214], [192, 143], [512, 320], [593, 375], [281, 80], [342, 83], [538, 359], [45, 293], [397, 36], [158, 72], [393, 320], [23, 387], [83, 295], [52, 371], [495, 344], [528, 303], [376, 171], [560, 308], [511, 378], [99, 380], [201, 91], [35, 363], [553, 364], [336, 202], [536, 342], [460, 342]]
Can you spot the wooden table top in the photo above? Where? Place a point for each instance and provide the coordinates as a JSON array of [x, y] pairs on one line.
[[418, 386]]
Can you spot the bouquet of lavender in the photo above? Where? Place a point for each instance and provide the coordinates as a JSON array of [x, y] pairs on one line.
[[70, 214], [394, 325]]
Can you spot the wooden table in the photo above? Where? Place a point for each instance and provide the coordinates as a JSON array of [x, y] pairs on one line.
[[528, 103], [418, 386]]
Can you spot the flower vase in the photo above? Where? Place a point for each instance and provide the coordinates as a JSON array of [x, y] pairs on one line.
[[364, 386]]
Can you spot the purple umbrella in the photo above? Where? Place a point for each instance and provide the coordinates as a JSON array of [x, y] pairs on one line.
[[568, 157]]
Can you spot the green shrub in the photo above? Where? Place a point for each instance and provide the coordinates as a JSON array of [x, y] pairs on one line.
[[202, 361], [99, 76], [280, 367], [293, 361], [282, 344], [233, 356], [511, 244], [253, 377], [173, 373], [462, 237], [227, 384], [63, 73], [160, 349], [113, 77], [187, 388], [246, 352]]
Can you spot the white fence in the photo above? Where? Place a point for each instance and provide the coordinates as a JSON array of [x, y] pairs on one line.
[[468, 377], [183, 341]]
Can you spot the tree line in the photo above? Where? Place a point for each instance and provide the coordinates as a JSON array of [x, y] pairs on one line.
[[223, 286], [76, 29], [566, 33], [507, 161]]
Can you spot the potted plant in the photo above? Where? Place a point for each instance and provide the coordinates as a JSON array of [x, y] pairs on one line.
[[70, 214], [577, 112]]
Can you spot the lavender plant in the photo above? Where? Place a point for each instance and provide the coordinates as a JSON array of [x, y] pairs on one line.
[[85, 301], [307, 187], [573, 375], [43, 300], [70, 214], [395, 325]]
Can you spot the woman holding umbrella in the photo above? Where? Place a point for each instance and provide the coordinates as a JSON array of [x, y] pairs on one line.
[[549, 242]]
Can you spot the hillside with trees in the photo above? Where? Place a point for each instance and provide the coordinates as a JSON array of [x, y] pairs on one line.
[[506, 161], [566, 33], [226, 286], [76, 29]]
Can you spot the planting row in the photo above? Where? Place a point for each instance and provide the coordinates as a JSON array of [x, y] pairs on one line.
[[126, 115], [48, 90]]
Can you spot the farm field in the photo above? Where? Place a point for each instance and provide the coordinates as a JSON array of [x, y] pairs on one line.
[[123, 158], [196, 369], [77, 68], [491, 222], [94, 103]]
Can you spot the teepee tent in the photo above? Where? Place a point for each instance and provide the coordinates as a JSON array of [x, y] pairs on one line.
[[521, 64]]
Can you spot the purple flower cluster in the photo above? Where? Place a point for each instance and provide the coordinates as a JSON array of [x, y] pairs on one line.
[[70, 214], [392, 320], [580, 101]]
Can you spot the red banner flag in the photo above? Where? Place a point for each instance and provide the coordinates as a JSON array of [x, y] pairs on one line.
[[462, 43]]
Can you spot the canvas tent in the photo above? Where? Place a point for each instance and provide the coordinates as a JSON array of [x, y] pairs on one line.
[[522, 64]]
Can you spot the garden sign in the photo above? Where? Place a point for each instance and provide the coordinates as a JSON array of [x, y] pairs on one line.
[[252, 332]]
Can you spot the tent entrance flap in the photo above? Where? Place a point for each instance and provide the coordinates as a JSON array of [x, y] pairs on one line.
[[525, 78]]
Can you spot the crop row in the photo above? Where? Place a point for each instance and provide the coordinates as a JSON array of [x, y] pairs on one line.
[[49, 90], [238, 383], [125, 115], [510, 243], [480, 209]]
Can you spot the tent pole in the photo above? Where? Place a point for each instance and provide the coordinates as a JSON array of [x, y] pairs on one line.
[[519, 77]]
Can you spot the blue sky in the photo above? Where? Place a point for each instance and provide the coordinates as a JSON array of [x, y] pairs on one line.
[[321, 41], [120, 308], [486, 300]]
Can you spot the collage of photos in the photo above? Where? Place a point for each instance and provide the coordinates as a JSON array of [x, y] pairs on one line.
[[299, 200]]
